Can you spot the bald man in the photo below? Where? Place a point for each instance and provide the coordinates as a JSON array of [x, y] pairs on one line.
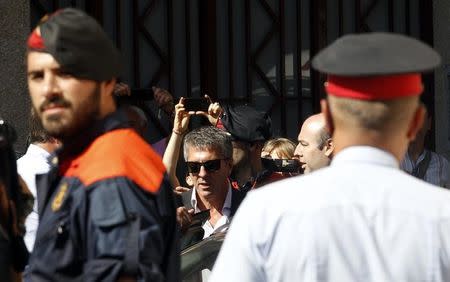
[[315, 145]]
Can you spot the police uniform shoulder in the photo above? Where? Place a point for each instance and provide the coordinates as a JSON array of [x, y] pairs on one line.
[[378, 53], [120, 153]]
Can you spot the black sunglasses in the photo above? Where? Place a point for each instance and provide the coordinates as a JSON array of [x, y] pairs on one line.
[[210, 166]]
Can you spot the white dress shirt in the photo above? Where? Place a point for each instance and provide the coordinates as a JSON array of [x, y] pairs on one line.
[[437, 172], [224, 219], [361, 219], [34, 162]]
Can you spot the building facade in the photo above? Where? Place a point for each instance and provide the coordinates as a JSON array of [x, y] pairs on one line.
[[238, 52]]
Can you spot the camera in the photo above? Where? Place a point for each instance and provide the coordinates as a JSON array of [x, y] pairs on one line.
[[196, 104], [281, 165]]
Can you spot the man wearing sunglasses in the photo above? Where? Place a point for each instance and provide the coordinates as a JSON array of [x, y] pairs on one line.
[[208, 152]]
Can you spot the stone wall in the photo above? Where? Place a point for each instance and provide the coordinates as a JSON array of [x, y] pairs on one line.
[[14, 100]]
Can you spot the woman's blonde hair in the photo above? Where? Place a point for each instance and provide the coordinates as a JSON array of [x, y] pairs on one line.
[[283, 147]]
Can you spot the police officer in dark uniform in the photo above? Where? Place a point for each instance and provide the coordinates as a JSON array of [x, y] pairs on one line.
[[106, 210]]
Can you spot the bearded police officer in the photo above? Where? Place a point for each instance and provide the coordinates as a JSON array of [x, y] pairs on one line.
[[361, 218], [105, 209]]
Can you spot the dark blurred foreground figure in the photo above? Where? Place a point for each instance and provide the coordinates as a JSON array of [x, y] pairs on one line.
[[16, 203], [361, 218], [106, 210]]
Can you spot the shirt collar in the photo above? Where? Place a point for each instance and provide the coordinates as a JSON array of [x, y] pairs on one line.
[[226, 205], [419, 159], [365, 154], [35, 150]]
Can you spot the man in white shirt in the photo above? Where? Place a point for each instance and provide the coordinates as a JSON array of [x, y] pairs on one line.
[[423, 163], [361, 218], [208, 152], [35, 161]]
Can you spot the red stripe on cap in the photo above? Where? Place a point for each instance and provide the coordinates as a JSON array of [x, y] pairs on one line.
[[375, 87], [35, 41]]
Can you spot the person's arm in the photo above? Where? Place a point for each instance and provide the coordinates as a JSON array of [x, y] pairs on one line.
[[180, 127]]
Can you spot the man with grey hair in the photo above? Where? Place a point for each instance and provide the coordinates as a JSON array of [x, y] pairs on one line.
[[208, 152], [315, 145]]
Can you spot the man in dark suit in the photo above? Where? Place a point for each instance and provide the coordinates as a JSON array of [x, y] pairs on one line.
[[208, 152]]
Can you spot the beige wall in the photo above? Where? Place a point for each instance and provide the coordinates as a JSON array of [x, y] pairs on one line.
[[441, 25]]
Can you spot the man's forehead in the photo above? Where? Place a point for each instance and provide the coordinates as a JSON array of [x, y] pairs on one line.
[[309, 132], [202, 150], [40, 59]]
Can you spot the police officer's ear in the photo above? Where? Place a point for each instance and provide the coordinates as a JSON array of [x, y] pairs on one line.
[[417, 122], [108, 86], [325, 108]]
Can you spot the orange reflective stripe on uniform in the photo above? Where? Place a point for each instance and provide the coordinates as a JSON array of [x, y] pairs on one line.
[[118, 153]]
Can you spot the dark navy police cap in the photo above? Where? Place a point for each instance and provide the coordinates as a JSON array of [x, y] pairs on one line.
[[78, 43], [376, 53], [375, 66]]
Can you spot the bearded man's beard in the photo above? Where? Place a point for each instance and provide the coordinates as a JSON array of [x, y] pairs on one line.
[[74, 121]]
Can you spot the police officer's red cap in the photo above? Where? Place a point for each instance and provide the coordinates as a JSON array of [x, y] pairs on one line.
[[78, 43], [375, 66]]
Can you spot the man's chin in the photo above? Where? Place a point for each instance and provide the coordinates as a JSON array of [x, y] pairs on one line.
[[204, 191], [56, 129]]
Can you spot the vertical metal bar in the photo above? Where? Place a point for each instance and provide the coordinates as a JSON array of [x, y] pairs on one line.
[[298, 66], [118, 24], [248, 50], [427, 35], [187, 18], [341, 17], [407, 18], [208, 47], [282, 71], [170, 73], [357, 16], [136, 19], [391, 15], [230, 49], [318, 41]]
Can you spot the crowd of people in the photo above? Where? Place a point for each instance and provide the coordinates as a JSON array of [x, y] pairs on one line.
[[333, 205]]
